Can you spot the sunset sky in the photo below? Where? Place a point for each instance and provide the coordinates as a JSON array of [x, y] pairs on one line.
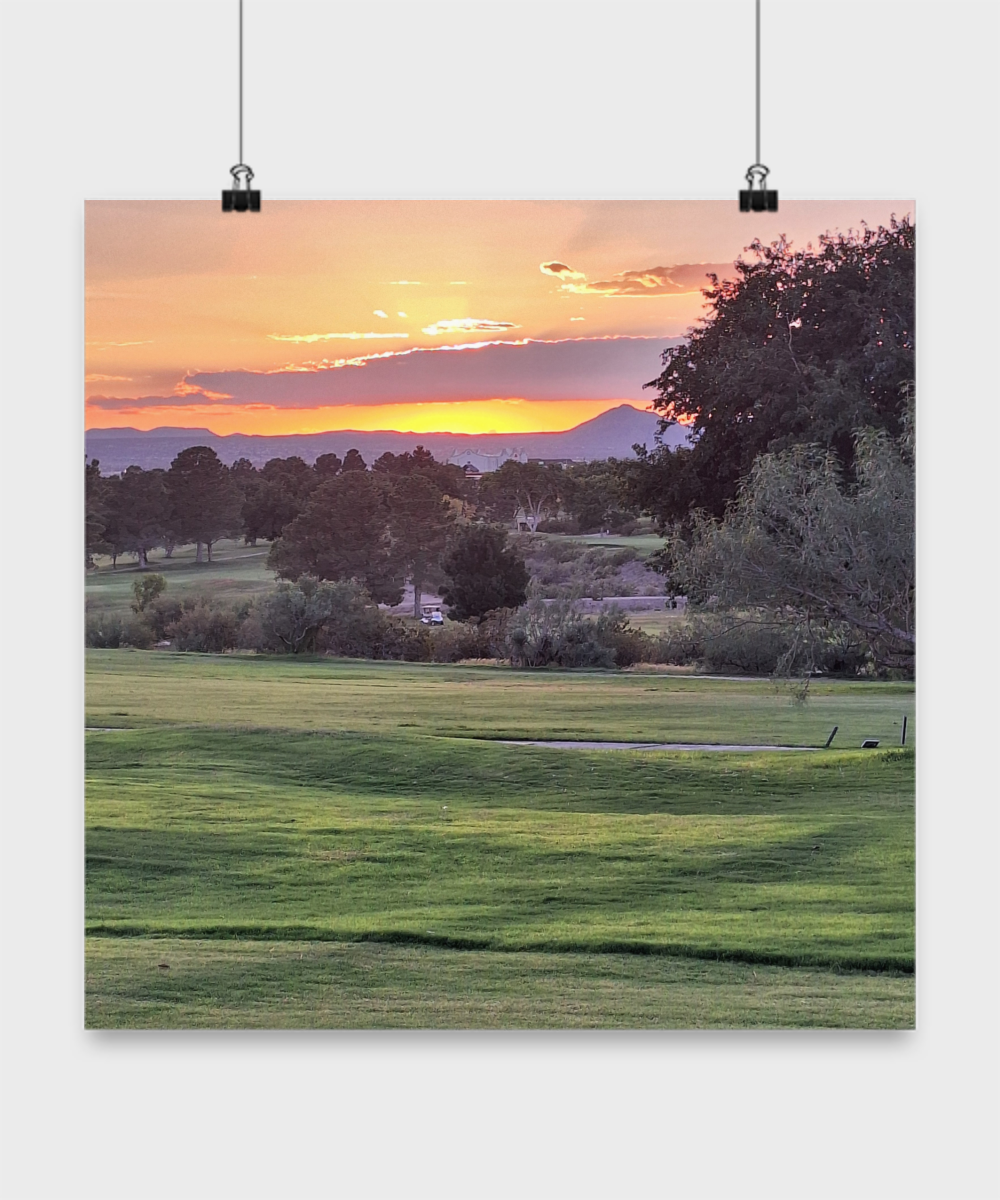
[[414, 315]]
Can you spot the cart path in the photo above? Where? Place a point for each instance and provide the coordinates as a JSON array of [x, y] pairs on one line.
[[647, 746]]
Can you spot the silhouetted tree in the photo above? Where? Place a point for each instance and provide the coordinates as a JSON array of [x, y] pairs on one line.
[[144, 511], [802, 347], [95, 510], [484, 572], [419, 518], [448, 478], [343, 533], [205, 503], [592, 494], [527, 492], [353, 462], [327, 465]]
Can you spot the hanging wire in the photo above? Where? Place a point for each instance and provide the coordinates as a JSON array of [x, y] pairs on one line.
[[240, 155], [236, 198], [757, 197], [758, 15]]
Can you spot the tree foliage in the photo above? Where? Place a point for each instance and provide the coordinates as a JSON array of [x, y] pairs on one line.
[[343, 533], [803, 544], [484, 573], [521, 492], [294, 615], [420, 519], [802, 347], [205, 503]]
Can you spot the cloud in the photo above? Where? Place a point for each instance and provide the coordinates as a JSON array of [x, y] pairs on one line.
[[107, 379], [469, 325], [331, 337], [405, 283], [560, 271], [457, 283], [653, 281], [107, 345], [598, 368], [400, 314], [578, 318], [187, 390], [379, 313]]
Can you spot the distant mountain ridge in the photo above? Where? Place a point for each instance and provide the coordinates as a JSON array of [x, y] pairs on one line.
[[610, 435]]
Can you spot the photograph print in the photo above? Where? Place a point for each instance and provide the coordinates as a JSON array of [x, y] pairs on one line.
[[500, 614]]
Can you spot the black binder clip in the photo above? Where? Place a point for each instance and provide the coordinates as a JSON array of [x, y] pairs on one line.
[[241, 199], [758, 198]]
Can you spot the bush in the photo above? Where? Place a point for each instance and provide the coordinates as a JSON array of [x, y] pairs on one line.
[[205, 627], [162, 613], [682, 645], [103, 631], [401, 640], [544, 635], [138, 632], [308, 616], [627, 644]]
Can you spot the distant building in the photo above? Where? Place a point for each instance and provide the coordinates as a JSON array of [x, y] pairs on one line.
[[557, 462], [482, 462]]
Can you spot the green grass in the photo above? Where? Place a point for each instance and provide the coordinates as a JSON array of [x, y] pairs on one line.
[[236, 572], [644, 543], [182, 983], [247, 811], [131, 688]]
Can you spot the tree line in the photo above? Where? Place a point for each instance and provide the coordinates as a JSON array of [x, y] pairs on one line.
[[336, 520]]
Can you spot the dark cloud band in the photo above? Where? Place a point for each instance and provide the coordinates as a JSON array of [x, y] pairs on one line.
[[574, 369]]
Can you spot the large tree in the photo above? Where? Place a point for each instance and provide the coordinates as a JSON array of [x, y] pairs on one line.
[[803, 545], [343, 533], [420, 518], [279, 493], [801, 347], [144, 511], [205, 502], [95, 510], [484, 572], [522, 492], [592, 494], [448, 478]]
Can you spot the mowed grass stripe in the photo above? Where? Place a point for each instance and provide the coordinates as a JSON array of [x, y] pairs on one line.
[[318, 836], [185, 983]]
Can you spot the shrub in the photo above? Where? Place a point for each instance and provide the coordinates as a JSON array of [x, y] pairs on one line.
[[627, 644], [309, 616], [403, 641], [205, 627], [682, 645], [137, 632], [103, 631], [545, 635], [162, 613]]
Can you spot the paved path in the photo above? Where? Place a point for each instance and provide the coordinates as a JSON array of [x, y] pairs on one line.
[[646, 746]]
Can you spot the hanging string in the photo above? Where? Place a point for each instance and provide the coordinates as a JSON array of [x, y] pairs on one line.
[[757, 159], [757, 197], [240, 159], [237, 198]]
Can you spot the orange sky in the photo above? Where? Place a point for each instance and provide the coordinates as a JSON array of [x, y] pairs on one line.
[[305, 317]]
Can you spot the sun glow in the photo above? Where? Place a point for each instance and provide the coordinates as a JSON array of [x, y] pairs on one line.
[[510, 416]]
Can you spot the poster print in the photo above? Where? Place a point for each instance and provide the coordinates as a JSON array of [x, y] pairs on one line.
[[500, 614]]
